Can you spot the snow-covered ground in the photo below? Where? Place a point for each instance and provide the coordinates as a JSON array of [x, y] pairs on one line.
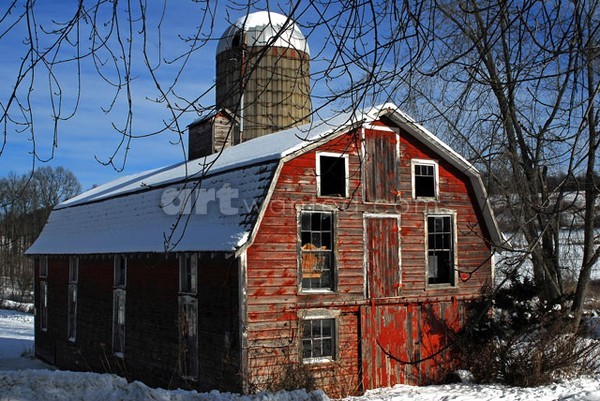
[[23, 379]]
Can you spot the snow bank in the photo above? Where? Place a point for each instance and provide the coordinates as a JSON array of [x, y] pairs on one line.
[[33, 385], [17, 306], [584, 389]]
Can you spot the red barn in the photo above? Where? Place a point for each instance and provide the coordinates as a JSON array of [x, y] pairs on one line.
[[343, 250]]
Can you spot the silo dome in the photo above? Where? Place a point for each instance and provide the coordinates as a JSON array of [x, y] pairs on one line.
[[263, 28], [263, 74]]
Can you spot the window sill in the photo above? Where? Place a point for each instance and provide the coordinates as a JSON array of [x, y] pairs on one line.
[[317, 361], [316, 292], [440, 285], [332, 196], [426, 198], [188, 294]]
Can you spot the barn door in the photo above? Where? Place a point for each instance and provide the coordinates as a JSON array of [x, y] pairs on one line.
[[407, 343], [382, 250], [385, 344], [383, 330]]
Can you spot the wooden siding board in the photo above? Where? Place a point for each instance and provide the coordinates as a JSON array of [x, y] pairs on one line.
[[382, 256]]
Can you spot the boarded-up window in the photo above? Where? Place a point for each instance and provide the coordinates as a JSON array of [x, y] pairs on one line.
[[72, 301], [188, 337], [188, 273], [381, 169], [119, 322], [44, 305], [316, 238], [318, 340], [440, 250], [43, 266], [120, 271], [43, 300], [119, 297], [383, 260]]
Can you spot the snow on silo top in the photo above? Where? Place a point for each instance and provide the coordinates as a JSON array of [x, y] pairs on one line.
[[264, 28]]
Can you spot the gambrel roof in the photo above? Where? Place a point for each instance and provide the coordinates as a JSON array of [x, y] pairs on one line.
[[138, 213]]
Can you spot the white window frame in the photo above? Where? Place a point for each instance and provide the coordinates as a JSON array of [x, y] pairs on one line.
[[333, 268], [436, 178], [454, 274], [310, 317], [188, 266], [72, 298], [346, 173]]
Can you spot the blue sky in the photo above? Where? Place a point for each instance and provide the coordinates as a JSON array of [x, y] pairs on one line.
[[89, 136]]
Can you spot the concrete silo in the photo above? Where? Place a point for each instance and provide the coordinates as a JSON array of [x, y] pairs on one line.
[[263, 75]]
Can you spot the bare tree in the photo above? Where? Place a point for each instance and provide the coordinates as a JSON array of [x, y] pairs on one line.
[[513, 85], [518, 81], [25, 204]]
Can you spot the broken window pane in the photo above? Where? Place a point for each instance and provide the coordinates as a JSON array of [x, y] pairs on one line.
[[316, 237]]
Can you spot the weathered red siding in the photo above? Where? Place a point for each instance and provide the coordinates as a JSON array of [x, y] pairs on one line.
[[410, 333]]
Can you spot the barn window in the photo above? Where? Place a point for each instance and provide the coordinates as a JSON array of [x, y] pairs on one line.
[[44, 305], [119, 322], [188, 315], [119, 311], [316, 254], [188, 337], [188, 273], [72, 301], [120, 271], [425, 177], [43, 266], [381, 167], [43, 301], [332, 174], [318, 340], [440, 250]]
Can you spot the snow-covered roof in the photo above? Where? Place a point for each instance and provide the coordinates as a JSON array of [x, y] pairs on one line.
[[265, 28], [184, 216], [136, 213], [141, 212]]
